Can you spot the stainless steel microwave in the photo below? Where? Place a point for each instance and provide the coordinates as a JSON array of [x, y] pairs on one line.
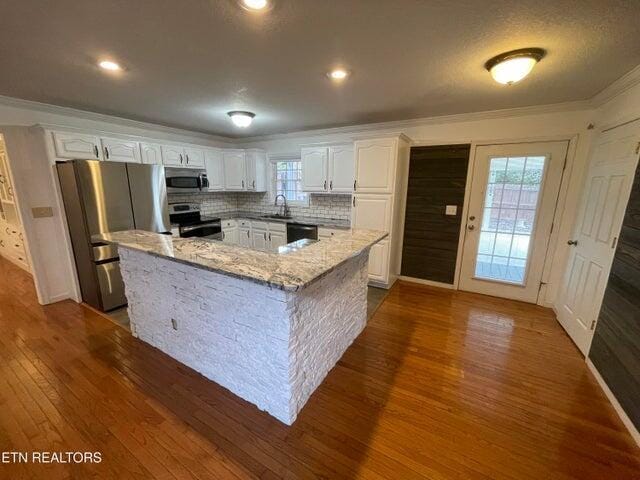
[[186, 180]]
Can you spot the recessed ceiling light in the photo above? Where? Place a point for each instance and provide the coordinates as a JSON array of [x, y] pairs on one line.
[[109, 65], [511, 67], [338, 74], [255, 5], [241, 119]]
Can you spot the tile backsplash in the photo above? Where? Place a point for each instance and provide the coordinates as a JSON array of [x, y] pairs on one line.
[[321, 206]]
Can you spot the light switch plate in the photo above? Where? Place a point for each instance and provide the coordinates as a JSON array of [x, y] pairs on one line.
[[451, 210], [42, 212]]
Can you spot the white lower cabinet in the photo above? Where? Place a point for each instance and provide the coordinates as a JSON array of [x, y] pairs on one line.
[[230, 231], [277, 239], [259, 238], [379, 262]]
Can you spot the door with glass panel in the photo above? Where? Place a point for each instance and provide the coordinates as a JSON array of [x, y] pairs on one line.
[[514, 192]]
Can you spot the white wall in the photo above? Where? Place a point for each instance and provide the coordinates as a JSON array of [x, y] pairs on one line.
[[568, 122]]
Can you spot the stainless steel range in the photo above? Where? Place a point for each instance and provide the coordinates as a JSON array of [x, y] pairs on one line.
[[187, 219]]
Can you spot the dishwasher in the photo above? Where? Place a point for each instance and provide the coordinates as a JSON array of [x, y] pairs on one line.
[[299, 231]]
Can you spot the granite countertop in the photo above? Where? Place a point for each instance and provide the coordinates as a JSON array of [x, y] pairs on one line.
[[320, 222], [292, 268]]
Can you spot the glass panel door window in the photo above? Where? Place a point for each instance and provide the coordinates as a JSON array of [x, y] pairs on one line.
[[509, 216]]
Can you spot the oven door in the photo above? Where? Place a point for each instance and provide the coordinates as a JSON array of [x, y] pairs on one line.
[[212, 230]]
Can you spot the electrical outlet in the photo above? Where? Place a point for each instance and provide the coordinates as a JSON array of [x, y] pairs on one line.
[[42, 212]]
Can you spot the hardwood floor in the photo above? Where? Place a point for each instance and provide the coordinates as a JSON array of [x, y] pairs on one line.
[[440, 385]]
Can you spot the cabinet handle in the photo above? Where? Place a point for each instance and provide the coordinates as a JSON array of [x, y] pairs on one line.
[[354, 201], [254, 184], [223, 235], [187, 157], [106, 153], [95, 150], [331, 185], [181, 158], [242, 183], [269, 236], [247, 233], [325, 184], [265, 236], [354, 185]]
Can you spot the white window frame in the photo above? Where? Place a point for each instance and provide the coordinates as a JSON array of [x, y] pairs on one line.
[[273, 159]]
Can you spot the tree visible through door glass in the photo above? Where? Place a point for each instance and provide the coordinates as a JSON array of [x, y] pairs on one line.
[[509, 215]]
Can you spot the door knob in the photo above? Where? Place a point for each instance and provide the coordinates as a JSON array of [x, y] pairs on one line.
[[471, 227], [572, 242]]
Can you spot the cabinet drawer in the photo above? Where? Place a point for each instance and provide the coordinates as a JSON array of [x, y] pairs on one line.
[[229, 223], [324, 232], [244, 223], [277, 227], [257, 225]]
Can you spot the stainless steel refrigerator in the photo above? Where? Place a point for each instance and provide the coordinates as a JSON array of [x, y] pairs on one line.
[[101, 197]]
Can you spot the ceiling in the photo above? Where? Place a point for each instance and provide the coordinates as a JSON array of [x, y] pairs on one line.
[[188, 62]]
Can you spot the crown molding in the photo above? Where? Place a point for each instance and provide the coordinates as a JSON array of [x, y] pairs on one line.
[[101, 117], [621, 85], [397, 125]]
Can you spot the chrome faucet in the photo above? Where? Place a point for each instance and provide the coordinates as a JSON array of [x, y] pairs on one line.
[[284, 209]]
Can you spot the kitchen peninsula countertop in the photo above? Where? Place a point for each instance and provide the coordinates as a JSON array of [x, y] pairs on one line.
[[292, 268]]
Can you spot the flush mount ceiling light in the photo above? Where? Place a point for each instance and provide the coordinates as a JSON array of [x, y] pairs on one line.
[[256, 5], [109, 65], [511, 67], [338, 74], [241, 119]]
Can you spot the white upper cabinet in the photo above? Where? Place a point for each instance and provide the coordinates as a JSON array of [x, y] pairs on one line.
[[234, 169], [117, 150], [256, 170], [193, 157], [77, 145], [172, 155], [375, 165], [151, 153], [341, 169], [314, 169], [214, 167]]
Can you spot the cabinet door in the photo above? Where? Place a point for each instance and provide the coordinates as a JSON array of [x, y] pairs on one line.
[[314, 169], [341, 169], [151, 153], [259, 239], [256, 167], [215, 171], [230, 235], [77, 145], [372, 212], [244, 237], [375, 165], [234, 169], [277, 239], [116, 150], [193, 157], [379, 262], [172, 155]]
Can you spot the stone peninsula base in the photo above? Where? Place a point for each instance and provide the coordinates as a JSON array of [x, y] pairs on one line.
[[270, 347]]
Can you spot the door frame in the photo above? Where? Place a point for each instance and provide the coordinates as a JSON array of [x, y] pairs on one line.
[[558, 215]]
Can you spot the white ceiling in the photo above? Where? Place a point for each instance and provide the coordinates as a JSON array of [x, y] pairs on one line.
[[190, 61]]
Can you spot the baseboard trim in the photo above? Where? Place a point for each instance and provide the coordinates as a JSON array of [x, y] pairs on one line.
[[430, 283], [616, 406]]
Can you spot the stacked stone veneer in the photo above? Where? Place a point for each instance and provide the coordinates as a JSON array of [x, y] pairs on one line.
[[271, 347]]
